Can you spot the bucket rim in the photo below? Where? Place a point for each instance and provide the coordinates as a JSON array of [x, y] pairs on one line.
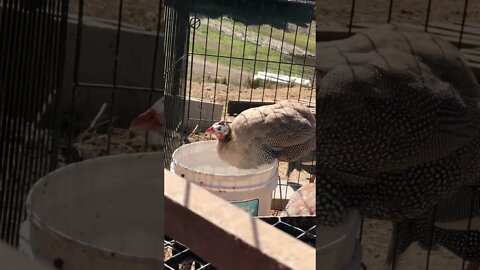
[[274, 163], [271, 181], [34, 219]]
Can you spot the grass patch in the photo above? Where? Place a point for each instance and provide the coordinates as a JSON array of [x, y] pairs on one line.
[[229, 49]]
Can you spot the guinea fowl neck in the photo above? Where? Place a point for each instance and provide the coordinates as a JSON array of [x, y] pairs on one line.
[[226, 139]]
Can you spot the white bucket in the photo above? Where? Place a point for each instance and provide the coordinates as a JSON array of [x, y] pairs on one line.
[[338, 247], [250, 189], [98, 214]]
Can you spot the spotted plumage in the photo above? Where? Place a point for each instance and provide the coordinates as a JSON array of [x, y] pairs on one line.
[[396, 131], [283, 131]]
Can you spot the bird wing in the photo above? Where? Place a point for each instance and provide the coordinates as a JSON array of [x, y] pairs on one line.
[[276, 127], [444, 59], [382, 108]]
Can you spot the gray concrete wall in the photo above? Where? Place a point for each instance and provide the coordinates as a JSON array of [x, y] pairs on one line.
[[135, 63], [96, 65]]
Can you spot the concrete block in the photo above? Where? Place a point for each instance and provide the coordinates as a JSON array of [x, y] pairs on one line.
[[97, 55], [203, 114]]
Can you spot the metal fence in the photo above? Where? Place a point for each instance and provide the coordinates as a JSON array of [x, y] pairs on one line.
[[455, 21], [32, 50], [244, 54], [104, 101], [240, 54], [176, 46], [179, 256], [73, 77]]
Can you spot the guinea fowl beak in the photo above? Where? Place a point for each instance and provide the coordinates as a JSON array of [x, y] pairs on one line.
[[148, 121]]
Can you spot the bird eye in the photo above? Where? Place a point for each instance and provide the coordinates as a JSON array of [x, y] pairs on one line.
[[219, 128]]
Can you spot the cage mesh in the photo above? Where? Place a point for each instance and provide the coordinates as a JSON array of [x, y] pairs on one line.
[[32, 51]]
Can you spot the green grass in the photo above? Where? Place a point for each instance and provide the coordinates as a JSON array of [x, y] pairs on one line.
[[221, 44], [301, 38]]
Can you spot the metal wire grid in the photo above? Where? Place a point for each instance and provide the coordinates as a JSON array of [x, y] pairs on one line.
[[230, 43], [351, 26], [32, 48], [176, 45], [181, 257], [222, 50], [80, 85]]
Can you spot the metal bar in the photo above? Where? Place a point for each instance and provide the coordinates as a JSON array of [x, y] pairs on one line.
[[191, 67], [230, 69], [430, 239], [390, 9], [204, 68], [429, 11], [280, 60], [251, 59], [268, 58], [462, 27], [76, 72], [293, 58], [118, 87], [216, 68], [185, 53], [246, 242], [352, 13], [115, 76], [243, 60], [255, 60], [154, 64], [63, 28]]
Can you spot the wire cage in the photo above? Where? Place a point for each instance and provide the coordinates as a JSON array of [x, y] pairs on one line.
[[176, 47], [95, 65], [454, 21], [116, 67], [244, 54], [32, 51], [73, 77], [178, 256]]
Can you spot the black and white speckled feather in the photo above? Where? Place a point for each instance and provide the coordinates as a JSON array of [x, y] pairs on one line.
[[283, 131], [396, 131]]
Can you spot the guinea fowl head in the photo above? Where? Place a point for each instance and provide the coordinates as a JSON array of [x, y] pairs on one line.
[[153, 119], [219, 129]]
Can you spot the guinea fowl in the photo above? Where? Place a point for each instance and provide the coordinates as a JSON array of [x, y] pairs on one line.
[[302, 202], [452, 218], [152, 119], [398, 125], [283, 131]]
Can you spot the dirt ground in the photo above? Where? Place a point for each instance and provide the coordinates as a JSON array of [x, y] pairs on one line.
[[143, 13], [218, 92], [337, 12]]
